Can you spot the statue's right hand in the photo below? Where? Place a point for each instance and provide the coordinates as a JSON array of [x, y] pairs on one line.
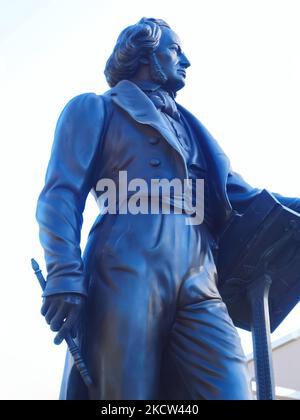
[[62, 312]]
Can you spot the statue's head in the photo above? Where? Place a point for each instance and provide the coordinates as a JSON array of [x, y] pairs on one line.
[[148, 50]]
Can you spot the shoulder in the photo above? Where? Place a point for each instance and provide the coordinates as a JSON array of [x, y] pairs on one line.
[[84, 102], [84, 108]]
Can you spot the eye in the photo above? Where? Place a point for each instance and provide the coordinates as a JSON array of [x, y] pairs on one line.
[[174, 48]]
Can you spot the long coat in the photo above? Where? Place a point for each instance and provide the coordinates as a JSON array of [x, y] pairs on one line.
[[98, 136]]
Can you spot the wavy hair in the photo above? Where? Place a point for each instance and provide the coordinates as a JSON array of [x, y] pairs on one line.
[[134, 43]]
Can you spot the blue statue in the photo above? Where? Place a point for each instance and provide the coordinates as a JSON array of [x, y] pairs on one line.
[[142, 301]]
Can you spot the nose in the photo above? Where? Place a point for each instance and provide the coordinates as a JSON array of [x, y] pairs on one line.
[[184, 62]]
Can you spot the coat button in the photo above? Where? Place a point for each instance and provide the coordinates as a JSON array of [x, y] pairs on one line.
[[154, 162], [154, 140]]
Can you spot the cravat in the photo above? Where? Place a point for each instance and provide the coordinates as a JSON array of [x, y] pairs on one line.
[[163, 101]]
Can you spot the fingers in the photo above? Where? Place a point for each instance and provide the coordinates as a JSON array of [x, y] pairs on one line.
[[45, 306], [58, 318], [51, 313], [61, 335], [69, 326], [62, 313], [54, 308]]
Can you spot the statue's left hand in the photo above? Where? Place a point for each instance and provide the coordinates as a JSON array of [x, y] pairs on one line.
[[62, 312]]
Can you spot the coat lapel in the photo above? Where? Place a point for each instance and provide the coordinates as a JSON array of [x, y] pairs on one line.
[[136, 103], [217, 159]]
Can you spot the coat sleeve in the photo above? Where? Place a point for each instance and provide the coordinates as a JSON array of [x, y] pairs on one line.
[[69, 178], [241, 194]]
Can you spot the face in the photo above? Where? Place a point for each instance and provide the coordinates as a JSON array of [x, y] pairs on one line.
[[172, 60]]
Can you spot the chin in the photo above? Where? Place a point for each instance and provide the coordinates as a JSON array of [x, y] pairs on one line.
[[175, 85], [179, 85]]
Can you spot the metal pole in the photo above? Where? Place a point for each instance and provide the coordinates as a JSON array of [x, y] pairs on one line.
[[258, 293], [72, 346]]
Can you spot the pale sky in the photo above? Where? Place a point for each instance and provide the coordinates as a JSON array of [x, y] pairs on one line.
[[243, 85]]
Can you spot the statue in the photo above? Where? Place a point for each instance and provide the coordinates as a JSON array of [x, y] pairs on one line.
[[142, 301]]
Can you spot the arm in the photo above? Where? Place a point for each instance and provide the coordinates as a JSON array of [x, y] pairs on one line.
[[241, 194], [291, 202], [69, 179]]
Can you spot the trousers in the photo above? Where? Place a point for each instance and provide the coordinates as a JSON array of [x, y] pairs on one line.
[[155, 325]]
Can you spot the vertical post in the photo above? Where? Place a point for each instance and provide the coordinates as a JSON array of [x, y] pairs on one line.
[[258, 293]]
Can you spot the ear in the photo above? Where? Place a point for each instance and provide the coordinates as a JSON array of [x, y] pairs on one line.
[[144, 60]]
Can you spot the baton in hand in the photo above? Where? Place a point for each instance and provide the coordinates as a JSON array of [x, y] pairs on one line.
[[72, 346]]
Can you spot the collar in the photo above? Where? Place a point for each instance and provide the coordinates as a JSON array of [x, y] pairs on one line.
[[148, 86]]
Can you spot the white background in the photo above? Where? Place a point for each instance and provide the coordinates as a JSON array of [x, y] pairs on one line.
[[243, 85]]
